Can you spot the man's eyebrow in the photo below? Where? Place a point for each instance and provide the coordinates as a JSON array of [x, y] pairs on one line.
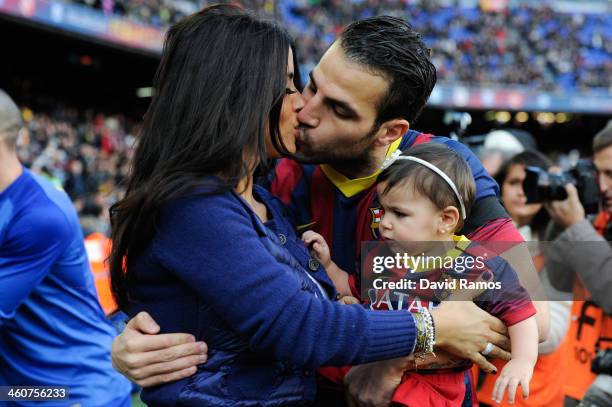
[[338, 103]]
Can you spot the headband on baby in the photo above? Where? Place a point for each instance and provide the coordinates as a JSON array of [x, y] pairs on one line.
[[397, 156]]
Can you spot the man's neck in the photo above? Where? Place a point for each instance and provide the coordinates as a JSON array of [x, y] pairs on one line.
[[367, 167], [10, 167]]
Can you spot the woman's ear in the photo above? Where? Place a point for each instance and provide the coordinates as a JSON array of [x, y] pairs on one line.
[[448, 220]]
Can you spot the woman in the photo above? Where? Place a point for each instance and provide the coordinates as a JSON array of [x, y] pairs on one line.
[[530, 218], [546, 387], [208, 253]]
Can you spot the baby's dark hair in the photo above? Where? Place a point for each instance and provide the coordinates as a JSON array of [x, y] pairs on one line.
[[428, 183]]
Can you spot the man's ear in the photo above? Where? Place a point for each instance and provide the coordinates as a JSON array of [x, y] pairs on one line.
[[390, 131]]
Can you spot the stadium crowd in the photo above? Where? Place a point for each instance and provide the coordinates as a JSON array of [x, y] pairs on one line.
[[85, 153], [558, 51]]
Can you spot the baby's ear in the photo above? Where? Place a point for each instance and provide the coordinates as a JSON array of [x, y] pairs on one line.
[[449, 219]]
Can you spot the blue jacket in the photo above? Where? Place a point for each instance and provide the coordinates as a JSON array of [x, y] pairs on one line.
[[252, 292]]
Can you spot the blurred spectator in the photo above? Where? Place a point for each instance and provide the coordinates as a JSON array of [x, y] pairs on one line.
[[579, 261], [500, 145], [530, 218], [546, 385], [86, 154]]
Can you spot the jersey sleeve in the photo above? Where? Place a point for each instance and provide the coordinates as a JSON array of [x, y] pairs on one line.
[[35, 241], [485, 184], [289, 183], [508, 301]]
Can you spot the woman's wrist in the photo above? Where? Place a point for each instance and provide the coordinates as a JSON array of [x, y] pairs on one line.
[[439, 328]]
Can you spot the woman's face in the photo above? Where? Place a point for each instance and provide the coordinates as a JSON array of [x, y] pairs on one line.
[[292, 104], [514, 198]]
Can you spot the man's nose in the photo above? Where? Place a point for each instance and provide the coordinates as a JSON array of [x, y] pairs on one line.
[[309, 116], [603, 184]]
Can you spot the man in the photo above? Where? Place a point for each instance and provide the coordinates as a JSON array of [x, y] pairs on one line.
[[52, 329], [580, 261], [369, 86]]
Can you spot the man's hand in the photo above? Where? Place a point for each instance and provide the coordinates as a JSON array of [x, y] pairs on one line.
[[373, 384], [567, 212], [149, 359], [464, 330]]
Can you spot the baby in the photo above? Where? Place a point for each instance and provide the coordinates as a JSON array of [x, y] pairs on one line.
[[426, 195]]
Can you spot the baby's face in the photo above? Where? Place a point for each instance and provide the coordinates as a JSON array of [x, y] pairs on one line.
[[409, 218]]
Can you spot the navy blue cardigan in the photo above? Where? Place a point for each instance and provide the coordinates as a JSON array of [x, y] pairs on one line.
[[248, 290]]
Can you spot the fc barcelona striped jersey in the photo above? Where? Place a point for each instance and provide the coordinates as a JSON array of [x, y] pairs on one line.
[[346, 211]]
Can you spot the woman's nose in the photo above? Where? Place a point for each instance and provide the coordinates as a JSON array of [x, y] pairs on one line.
[[297, 101]]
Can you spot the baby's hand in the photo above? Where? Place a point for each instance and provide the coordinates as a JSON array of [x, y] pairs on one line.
[[319, 247], [516, 371], [348, 300]]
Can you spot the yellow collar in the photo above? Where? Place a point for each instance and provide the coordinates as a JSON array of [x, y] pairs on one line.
[[461, 243], [351, 187]]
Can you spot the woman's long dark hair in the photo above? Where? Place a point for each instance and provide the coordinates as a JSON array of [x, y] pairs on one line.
[[218, 88]]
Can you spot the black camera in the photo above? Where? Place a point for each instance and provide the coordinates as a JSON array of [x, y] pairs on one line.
[[602, 364], [541, 186]]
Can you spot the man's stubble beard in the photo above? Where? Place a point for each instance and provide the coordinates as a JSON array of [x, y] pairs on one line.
[[345, 159]]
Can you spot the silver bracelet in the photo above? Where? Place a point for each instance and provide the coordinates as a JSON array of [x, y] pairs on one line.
[[430, 332]]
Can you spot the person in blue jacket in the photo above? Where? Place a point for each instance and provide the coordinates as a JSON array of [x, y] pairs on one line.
[[204, 251], [53, 331]]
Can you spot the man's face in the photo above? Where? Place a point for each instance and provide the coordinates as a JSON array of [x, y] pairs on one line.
[[603, 162], [341, 108]]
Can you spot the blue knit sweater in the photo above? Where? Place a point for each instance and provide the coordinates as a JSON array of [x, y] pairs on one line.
[[248, 290]]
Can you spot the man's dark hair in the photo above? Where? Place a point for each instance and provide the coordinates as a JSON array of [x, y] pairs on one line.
[[603, 139], [389, 46]]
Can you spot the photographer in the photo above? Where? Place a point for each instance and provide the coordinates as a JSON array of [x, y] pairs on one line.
[[586, 270], [531, 219]]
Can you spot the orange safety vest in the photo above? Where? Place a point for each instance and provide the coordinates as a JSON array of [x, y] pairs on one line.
[[590, 329], [546, 386], [98, 248]]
